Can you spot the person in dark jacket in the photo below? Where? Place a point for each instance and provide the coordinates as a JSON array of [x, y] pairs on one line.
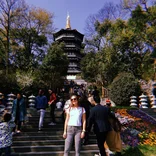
[[87, 106], [41, 105], [19, 112], [98, 117]]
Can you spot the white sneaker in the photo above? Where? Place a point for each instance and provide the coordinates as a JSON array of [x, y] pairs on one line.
[[52, 123], [18, 131]]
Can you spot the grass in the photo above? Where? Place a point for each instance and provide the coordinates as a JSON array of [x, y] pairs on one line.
[[141, 150]]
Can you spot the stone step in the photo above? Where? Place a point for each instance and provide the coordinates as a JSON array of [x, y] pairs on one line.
[[42, 137], [44, 142], [45, 129], [47, 113], [43, 133], [45, 125], [49, 141], [48, 148], [56, 153], [46, 119]]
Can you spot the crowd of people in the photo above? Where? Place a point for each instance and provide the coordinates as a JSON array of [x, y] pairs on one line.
[[81, 113]]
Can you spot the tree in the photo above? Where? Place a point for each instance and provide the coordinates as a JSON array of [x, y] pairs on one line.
[[123, 46], [25, 32], [89, 67], [33, 29], [109, 11], [123, 87], [108, 65], [7, 8], [130, 40], [55, 65]]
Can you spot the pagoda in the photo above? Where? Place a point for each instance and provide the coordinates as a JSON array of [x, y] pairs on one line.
[[73, 45]]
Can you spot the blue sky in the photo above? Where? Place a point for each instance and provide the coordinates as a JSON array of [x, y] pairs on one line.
[[78, 10]]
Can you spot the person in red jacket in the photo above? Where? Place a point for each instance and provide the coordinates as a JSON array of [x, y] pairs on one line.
[[52, 104]]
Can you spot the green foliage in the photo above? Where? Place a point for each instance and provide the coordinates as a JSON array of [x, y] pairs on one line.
[[122, 87], [100, 67], [25, 57], [54, 66], [125, 45], [8, 84], [107, 65], [89, 67]]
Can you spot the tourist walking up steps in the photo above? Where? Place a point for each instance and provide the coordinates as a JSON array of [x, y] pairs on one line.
[[99, 118], [52, 104], [19, 112], [40, 105], [74, 127], [6, 128]]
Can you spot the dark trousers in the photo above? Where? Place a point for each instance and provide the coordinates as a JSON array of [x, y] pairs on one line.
[[6, 151], [18, 125], [101, 138], [52, 111]]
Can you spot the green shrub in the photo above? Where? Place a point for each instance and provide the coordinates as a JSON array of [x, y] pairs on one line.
[[122, 87]]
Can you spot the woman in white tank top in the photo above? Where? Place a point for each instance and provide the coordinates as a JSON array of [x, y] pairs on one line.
[[74, 126]]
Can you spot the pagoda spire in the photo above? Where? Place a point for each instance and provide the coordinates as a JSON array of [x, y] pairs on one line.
[[68, 26]]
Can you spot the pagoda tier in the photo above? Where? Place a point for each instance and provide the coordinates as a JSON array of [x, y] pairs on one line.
[[73, 44]]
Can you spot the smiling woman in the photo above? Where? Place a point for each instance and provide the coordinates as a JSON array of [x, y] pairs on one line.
[[75, 126]]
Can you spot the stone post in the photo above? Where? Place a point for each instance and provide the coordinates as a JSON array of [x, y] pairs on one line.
[[143, 101], [31, 100], [133, 101], [153, 101]]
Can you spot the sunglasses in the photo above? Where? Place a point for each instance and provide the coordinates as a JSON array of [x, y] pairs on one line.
[[74, 99]]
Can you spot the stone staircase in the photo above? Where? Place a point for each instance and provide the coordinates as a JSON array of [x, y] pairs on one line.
[[49, 141]]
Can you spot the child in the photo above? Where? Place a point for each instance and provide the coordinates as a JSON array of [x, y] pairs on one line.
[[6, 128]]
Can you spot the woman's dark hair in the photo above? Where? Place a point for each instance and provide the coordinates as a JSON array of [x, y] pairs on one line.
[[7, 117]]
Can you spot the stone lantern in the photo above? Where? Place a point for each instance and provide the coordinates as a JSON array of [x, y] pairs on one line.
[[153, 101], [10, 99], [133, 101], [31, 100], [143, 101]]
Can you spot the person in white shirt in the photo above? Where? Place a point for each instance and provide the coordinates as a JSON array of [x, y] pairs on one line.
[[74, 127]]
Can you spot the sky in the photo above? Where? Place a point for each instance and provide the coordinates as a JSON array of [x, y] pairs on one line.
[[78, 10]]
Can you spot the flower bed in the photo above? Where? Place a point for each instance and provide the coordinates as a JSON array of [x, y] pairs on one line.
[[138, 128]]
